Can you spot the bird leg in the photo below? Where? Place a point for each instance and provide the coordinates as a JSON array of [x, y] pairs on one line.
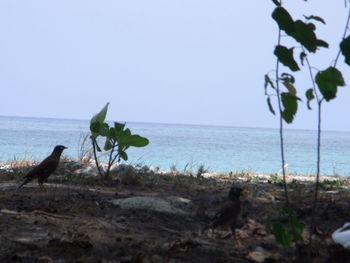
[[236, 241], [41, 186]]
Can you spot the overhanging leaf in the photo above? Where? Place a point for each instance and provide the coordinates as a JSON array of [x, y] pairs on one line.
[[316, 18], [304, 34], [321, 43], [309, 96], [285, 55], [345, 49], [328, 82], [283, 19], [270, 106], [290, 105], [302, 57], [268, 81]]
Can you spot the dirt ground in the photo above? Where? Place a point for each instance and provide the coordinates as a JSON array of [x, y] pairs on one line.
[[74, 220]]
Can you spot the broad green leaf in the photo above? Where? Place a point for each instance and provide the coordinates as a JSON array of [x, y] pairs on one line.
[[95, 127], [99, 129], [285, 55], [108, 145], [135, 140], [316, 18], [127, 132], [96, 122], [114, 133], [328, 82], [292, 90], [283, 19], [345, 49], [290, 105], [276, 2], [304, 34], [119, 126], [321, 43], [309, 96], [123, 155], [101, 116], [270, 106], [103, 129]]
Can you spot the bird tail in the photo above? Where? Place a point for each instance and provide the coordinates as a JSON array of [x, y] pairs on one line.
[[25, 182]]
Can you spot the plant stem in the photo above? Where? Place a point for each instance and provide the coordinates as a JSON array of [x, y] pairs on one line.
[[318, 154], [95, 157], [281, 124], [319, 115], [110, 160]]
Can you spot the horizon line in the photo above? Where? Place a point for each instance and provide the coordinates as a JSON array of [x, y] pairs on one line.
[[170, 123]]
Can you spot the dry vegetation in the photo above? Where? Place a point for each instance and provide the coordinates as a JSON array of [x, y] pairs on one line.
[[75, 221]]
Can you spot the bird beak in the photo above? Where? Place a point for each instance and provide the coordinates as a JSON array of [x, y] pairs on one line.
[[65, 147]]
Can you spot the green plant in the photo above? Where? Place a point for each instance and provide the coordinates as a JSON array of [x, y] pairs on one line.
[[332, 184], [286, 228], [117, 140], [275, 179], [294, 184], [324, 84], [173, 168], [201, 170]]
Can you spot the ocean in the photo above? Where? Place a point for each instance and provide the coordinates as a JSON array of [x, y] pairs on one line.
[[186, 147]]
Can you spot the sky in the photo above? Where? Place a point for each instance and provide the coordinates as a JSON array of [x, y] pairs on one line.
[[183, 61]]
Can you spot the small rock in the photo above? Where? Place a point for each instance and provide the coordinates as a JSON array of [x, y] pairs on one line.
[[87, 170], [45, 259], [120, 219], [150, 203], [259, 255]]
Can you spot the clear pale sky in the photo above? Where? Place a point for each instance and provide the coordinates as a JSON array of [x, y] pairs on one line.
[[183, 61]]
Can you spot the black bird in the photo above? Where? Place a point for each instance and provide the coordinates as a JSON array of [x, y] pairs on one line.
[[43, 170], [229, 211]]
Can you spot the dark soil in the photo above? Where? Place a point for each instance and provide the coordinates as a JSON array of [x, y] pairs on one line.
[[80, 224]]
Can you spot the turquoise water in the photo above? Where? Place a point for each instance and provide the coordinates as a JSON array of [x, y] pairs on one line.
[[221, 149]]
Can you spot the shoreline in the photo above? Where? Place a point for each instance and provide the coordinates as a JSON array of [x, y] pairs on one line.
[[82, 168], [138, 203]]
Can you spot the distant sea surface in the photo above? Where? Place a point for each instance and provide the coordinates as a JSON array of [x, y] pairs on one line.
[[220, 149]]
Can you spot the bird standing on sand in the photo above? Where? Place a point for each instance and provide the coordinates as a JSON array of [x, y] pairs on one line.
[[229, 211], [43, 170]]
